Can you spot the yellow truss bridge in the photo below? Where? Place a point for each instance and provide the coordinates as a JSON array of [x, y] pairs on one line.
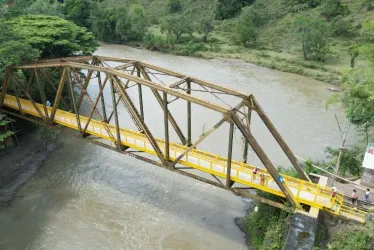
[[298, 192]]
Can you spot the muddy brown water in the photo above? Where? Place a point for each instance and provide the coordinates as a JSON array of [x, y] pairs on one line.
[[88, 197]]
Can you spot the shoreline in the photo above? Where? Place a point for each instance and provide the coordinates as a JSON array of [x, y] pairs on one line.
[[262, 59], [21, 164]]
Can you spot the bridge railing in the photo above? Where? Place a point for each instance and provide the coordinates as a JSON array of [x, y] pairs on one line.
[[305, 192]]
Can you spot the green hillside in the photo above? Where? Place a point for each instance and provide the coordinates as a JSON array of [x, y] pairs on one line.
[[316, 38], [276, 44]]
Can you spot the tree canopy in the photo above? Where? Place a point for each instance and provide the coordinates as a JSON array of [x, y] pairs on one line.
[[314, 34]]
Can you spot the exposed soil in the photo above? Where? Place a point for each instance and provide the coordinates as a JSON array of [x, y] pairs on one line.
[[19, 164]]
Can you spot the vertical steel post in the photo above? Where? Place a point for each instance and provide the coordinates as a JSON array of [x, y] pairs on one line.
[[118, 142], [72, 97], [102, 97], [188, 114], [229, 156], [4, 87], [60, 88], [245, 152], [166, 122], [140, 97]]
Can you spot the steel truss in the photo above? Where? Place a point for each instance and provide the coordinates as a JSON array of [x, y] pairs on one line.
[[79, 73]]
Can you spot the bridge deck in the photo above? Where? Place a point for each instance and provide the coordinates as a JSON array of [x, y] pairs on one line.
[[304, 192]]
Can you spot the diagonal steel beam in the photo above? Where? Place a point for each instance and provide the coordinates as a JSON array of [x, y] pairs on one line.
[[201, 138], [127, 107], [42, 93], [160, 101], [265, 160], [113, 92], [176, 84], [119, 99], [95, 105], [84, 88], [253, 104], [136, 116], [30, 81], [30, 98]]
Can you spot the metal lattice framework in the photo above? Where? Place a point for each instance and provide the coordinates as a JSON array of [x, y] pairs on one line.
[[77, 74]]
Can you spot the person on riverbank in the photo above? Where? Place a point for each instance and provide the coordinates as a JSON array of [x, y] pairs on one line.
[[367, 195], [354, 197]]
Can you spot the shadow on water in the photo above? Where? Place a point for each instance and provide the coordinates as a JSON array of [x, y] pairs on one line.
[[56, 198]]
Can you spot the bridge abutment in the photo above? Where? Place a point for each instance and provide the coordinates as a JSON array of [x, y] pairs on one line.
[[302, 232], [303, 227]]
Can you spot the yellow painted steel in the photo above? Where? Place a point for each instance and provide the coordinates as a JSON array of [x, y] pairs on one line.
[[304, 192]]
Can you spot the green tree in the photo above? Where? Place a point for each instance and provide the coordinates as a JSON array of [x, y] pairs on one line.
[[13, 49], [119, 25], [104, 23], [245, 32], [205, 27], [79, 11], [354, 52], [176, 25], [350, 162], [367, 40], [298, 5], [314, 34], [53, 36], [42, 7], [174, 6], [138, 22]]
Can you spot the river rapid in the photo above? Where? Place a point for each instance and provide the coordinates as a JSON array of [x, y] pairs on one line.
[[89, 197]]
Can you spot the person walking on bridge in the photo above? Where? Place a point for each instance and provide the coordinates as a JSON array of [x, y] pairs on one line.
[[354, 197]]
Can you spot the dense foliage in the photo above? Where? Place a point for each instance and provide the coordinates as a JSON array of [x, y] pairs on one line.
[[53, 36], [267, 228]]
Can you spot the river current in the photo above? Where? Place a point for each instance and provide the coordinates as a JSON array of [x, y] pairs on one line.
[[88, 197]]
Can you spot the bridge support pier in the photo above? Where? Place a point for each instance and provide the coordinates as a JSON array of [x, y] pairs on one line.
[[302, 232]]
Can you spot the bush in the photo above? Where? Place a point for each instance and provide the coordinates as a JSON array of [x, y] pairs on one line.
[[342, 27], [333, 8], [159, 43], [358, 240], [267, 228], [191, 47]]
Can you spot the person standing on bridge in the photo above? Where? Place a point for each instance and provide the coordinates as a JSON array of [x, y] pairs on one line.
[[354, 197], [49, 104], [367, 194]]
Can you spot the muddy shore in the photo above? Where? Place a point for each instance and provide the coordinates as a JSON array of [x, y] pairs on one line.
[[19, 164]]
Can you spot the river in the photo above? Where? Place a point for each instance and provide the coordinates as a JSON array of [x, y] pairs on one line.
[[88, 197]]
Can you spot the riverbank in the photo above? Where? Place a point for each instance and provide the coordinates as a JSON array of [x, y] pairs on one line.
[[270, 59], [19, 164], [267, 230]]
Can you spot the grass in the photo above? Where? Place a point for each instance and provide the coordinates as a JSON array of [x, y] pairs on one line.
[[277, 45]]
